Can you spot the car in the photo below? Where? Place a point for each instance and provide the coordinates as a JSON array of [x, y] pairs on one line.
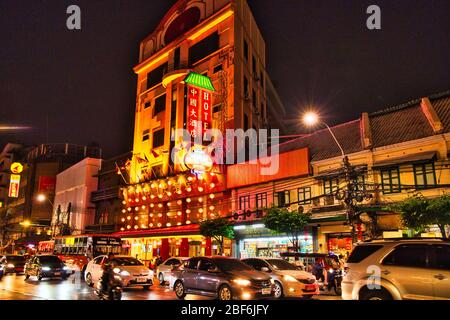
[[289, 280], [412, 269], [164, 270], [131, 271], [222, 278], [13, 264], [46, 266]]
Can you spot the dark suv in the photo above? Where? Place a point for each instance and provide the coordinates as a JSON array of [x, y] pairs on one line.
[[222, 278], [46, 266]]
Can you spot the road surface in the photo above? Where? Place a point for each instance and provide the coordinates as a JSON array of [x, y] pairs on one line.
[[14, 287]]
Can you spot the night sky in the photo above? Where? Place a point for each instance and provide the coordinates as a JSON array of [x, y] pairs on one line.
[[319, 53]]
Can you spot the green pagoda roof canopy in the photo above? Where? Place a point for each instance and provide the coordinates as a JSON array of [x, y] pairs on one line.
[[199, 80]]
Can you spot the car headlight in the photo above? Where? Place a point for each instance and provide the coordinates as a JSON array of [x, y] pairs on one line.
[[272, 281], [242, 282], [46, 269], [331, 270], [66, 268], [289, 278], [10, 265]]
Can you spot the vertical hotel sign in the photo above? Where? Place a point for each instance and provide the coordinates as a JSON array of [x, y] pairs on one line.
[[200, 90]]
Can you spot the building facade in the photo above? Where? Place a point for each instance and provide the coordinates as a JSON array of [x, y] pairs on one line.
[[396, 153], [107, 199], [29, 215], [203, 68], [72, 208]]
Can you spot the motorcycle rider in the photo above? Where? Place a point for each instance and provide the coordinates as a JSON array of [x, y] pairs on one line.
[[108, 274]]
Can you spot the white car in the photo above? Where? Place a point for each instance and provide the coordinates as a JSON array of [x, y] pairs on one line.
[[164, 270], [289, 281], [131, 271]]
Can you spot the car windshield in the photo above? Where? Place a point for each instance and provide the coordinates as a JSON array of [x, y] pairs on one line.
[[16, 259], [49, 259], [231, 265], [127, 262], [279, 264]]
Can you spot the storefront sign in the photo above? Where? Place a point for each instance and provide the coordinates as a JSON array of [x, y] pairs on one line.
[[16, 168], [14, 185]]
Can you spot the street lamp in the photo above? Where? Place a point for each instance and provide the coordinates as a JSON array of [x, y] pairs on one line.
[[42, 197], [311, 119]]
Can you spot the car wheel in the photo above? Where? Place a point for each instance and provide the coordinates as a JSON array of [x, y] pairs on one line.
[[180, 291], [307, 297], [88, 280], [146, 287], [225, 293], [39, 276], [375, 295], [278, 290], [27, 276], [161, 279]]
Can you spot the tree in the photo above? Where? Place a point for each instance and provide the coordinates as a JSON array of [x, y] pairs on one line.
[[418, 213], [283, 221], [218, 229], [439, 213]]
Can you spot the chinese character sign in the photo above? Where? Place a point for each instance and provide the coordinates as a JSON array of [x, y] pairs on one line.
[[14, 186], [199, 111], [193, 116]]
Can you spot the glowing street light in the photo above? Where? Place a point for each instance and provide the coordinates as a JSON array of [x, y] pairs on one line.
[[310, 118], [41, 197], [25, 223]]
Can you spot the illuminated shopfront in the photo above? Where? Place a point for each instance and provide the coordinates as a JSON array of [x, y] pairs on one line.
[[254, 240]]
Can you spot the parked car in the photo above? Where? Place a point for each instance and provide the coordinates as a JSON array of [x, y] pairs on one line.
[[164, 270], [222, 278], [46, 266], [13, 264], [132, 272], [398, 269], [289, 280]]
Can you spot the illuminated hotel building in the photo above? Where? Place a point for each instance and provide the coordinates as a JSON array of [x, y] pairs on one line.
[[203, 67]]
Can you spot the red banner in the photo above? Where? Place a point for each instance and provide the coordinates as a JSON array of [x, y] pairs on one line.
[[193, 117], [206, 111], [47, 184]]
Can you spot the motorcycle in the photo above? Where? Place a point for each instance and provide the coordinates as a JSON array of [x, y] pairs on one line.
[[114, 293], [335, 280]]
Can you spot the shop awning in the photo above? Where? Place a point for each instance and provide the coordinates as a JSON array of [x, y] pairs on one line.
[[418, 157], [160, 232]]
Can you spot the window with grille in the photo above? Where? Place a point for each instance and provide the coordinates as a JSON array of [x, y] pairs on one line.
[[261, 200], [304, 195], [424, 175], [390, 180]]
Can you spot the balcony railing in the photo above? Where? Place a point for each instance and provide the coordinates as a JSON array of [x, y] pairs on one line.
[[105, 194]]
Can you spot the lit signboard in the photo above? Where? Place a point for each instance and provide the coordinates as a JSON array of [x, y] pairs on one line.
[[198, 160], [16, 168], [14, 185]]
